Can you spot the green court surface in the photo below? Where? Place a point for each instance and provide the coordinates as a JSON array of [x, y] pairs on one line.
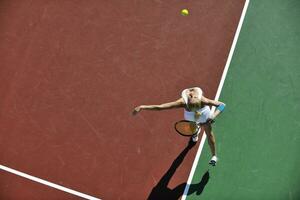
[[258, 136]]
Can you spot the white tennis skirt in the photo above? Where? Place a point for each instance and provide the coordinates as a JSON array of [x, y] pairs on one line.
[[205, 114]]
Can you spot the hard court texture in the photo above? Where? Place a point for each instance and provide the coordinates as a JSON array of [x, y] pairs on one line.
[[72, 72]]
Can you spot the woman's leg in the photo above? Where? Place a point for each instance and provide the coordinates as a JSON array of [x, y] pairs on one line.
[[195, 137], [210, 138], [212, 143]]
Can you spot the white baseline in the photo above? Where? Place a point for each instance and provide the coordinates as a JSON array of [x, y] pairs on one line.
[[53, 185]]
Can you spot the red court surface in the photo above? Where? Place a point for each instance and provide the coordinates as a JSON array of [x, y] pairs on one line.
[[72, 72], [15, 187]]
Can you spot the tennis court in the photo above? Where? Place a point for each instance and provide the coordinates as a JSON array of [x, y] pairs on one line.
[[259, 134], [73, 71]]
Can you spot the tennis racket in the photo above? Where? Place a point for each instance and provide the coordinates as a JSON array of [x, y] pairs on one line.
[[187, 128]]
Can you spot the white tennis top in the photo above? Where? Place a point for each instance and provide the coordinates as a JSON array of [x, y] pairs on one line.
[[193, 116]]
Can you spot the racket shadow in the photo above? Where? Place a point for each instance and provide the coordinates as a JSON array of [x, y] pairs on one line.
[[161, 190]]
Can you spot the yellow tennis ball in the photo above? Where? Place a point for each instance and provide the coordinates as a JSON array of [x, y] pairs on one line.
[[184, 12]]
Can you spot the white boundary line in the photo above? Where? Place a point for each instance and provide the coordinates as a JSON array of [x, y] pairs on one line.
[[216, 97], [53, 185]]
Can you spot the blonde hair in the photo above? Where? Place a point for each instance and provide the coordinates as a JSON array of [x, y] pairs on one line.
[[192, 103]]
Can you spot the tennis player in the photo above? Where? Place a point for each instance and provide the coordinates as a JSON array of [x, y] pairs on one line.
[[197, 108]]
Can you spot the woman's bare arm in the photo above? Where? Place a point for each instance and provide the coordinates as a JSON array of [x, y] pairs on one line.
[[211, 102], [170, 105]]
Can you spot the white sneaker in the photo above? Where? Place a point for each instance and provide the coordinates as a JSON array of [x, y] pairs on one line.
[[213, 161], [195, 138]]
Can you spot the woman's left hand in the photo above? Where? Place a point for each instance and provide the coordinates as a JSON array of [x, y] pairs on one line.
[[210, 121]]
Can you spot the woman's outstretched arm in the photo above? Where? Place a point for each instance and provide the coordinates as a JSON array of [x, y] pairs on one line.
[[175, 104]]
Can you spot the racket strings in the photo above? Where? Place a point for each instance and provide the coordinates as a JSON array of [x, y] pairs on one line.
[[186, 128]]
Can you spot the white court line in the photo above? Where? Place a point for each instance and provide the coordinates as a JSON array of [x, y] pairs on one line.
[[53, 185], [216, 97]]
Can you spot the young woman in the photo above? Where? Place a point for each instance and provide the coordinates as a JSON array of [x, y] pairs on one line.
[[197, 109]]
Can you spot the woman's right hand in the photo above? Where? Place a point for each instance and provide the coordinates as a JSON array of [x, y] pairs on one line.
[[137, 110]]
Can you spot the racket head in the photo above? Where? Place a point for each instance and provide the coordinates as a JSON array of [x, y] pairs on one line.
[[186, 128]]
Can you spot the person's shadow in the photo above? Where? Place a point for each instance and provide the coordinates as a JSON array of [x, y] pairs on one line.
[[161, 190]]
